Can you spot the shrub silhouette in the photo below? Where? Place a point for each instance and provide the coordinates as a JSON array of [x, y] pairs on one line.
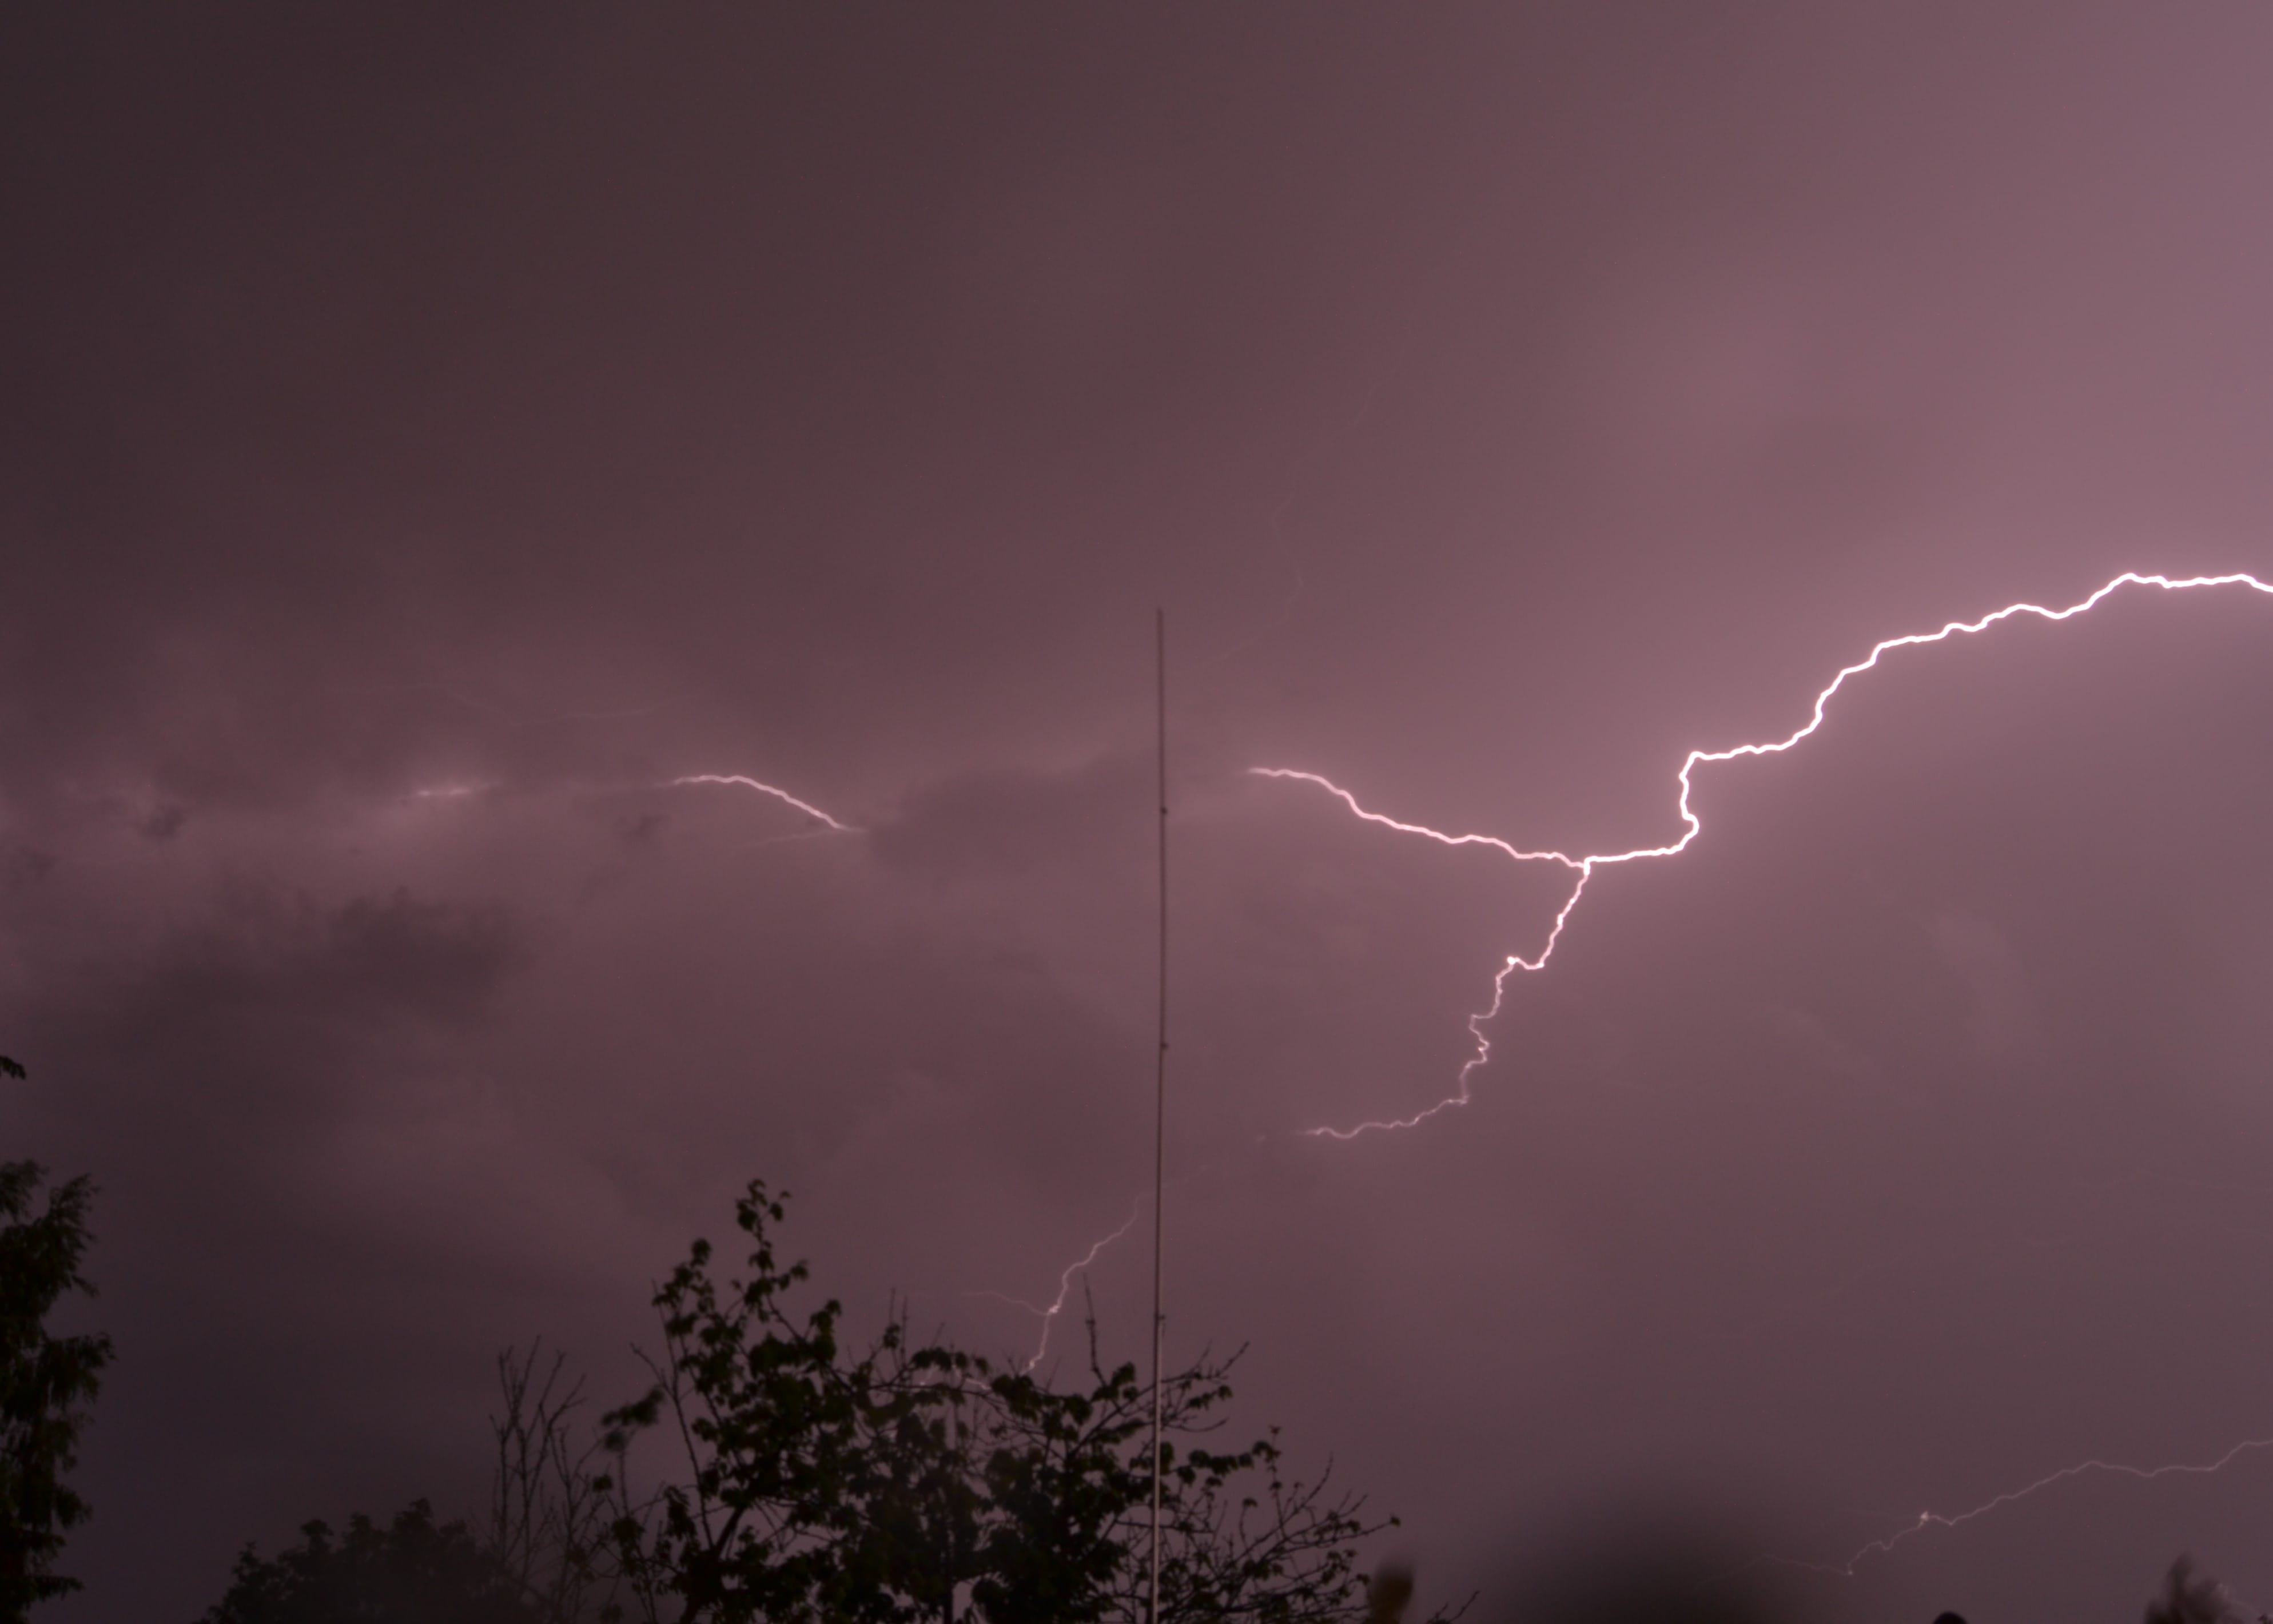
[[905, 1482], [410, 1572]]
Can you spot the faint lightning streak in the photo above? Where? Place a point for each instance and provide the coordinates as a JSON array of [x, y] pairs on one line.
[[1930, 1519], [782, 795], [1035, 1309], [451, 791], [1692, 827], [1048, 1316]]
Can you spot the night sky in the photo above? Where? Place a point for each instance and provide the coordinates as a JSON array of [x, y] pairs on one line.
[[424, 436]]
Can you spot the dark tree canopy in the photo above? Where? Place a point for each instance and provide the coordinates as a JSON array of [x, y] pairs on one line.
[[45, 1381], [906, 1482], [412, 1571], [802, 1480]]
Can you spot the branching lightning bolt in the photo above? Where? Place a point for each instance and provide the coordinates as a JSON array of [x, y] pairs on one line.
[[778, 793], [1933, 1519], [1048, 1316], [1583, 868]]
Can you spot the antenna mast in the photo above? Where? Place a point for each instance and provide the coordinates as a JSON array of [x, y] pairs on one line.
[[1160, 1071]]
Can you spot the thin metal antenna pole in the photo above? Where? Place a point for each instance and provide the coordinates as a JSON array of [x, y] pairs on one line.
[[1160, 1071]]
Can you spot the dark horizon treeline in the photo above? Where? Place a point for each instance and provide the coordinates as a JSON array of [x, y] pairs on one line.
[[902, 1481], [897, 1483]]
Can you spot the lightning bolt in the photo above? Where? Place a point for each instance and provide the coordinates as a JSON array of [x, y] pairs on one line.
[[776, 792], [1582, 868], [451, 791], [1048, 1316], [1933, 1519]]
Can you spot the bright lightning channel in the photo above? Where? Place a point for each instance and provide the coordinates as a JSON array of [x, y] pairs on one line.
[[1583, 868], [1049, 1316], [1934, 1519], [743, 781]]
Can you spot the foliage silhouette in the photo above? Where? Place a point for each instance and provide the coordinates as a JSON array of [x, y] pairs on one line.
[[410, 1572], [910, 1482], [45, 1381], [2188, 1598]]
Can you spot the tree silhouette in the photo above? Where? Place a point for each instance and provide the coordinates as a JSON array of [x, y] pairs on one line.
[[410, 1572], [45, 1380], [549, 1512], [2190, 1598], [913, 1483]]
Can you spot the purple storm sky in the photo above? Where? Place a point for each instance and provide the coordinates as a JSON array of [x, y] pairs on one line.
[[428, 436]]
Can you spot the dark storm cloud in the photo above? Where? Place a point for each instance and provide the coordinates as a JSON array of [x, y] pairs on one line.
[[310, 442], [234, 1084], [424, 438], [247, 1033]]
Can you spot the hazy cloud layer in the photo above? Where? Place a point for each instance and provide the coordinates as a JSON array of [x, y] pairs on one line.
[[426, 439]]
